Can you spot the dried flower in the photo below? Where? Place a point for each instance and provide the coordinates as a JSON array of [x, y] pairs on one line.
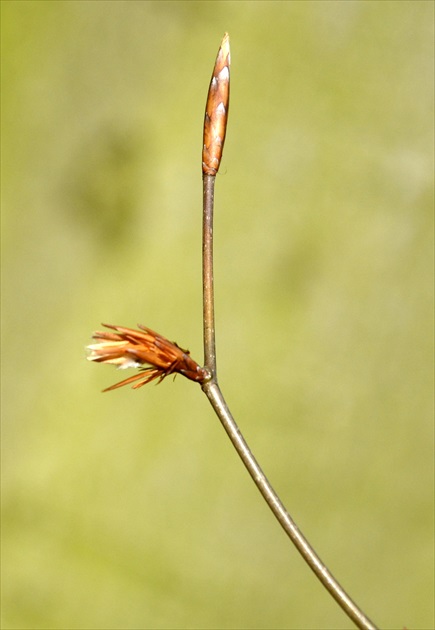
[[133, 348], [216, 110]]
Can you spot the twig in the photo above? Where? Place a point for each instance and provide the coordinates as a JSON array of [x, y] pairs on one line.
[[157, 357], [214, 137]]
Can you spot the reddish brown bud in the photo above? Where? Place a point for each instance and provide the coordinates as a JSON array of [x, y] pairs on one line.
[[133, 348], [216, 110]]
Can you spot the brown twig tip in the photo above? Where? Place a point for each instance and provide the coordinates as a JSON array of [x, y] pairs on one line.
[[216, 110], [127, 347]]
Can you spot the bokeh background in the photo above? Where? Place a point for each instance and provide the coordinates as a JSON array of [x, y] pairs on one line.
[[130, 509]]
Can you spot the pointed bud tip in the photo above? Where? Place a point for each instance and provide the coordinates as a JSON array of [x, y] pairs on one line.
[[225, 45]]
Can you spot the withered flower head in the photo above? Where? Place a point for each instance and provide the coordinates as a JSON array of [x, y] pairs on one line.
[[154, 355]]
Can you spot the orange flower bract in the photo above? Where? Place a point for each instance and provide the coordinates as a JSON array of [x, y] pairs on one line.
[[154, 355]]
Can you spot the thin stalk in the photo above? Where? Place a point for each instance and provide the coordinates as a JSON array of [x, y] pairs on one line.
[[207, 276], [214, 137], [352, 610]]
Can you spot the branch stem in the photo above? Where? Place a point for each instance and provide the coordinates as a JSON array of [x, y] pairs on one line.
[[214, 394]]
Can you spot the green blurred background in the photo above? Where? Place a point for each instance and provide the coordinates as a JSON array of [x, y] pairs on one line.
[[130, 509]]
